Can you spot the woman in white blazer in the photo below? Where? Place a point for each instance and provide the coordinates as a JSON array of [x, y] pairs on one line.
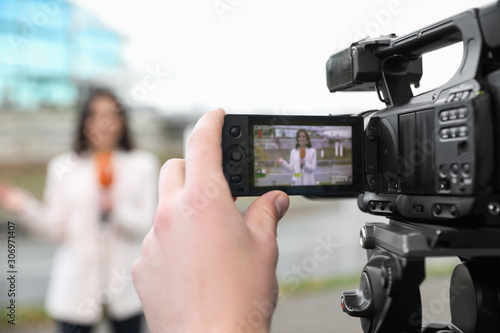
[[97, 210], [302, 160]]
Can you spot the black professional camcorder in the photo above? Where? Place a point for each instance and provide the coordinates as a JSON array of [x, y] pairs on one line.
[[427, 157], [432, 156], [429, 162]]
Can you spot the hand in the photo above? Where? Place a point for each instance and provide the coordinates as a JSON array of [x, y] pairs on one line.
[[204, 267], [12, 198], [279, 159], [302, 162]]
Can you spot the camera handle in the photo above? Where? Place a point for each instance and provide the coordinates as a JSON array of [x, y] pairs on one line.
[[476, 28], [398, 58], [388, 299]]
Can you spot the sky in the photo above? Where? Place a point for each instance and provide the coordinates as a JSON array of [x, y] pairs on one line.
[[251, 56]]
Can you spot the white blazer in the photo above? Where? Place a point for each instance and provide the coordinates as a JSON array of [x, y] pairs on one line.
[[92, 264], [304, 175]]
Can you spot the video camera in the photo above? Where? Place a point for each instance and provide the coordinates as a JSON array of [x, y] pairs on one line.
[[432, 156], [426, 157], [429, 162]]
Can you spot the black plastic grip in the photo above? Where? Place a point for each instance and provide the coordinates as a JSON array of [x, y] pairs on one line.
[[463, 27]]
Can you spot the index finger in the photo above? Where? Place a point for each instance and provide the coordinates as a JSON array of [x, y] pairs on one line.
[[203, 151]]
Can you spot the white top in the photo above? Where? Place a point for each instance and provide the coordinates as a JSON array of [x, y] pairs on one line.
[[92, 264], [304, 175]]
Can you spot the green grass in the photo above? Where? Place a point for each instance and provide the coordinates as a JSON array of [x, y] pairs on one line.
[[27, 316]]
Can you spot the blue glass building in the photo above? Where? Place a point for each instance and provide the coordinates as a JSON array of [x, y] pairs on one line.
[[49, 49]]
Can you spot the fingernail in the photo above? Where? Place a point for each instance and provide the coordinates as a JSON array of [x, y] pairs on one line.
[[282, 202]]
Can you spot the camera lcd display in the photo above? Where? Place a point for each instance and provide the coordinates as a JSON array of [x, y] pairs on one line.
[[302, 155]]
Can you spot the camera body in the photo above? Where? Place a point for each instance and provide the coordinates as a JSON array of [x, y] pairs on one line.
[[429, 158], [432, 161]]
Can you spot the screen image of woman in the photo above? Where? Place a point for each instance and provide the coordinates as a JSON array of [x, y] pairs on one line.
[[302, 160]]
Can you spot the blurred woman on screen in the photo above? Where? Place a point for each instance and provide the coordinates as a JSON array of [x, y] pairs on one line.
[[302, 160], [98, 204]]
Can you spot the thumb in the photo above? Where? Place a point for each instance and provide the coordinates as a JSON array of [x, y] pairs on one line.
[[265, 212]]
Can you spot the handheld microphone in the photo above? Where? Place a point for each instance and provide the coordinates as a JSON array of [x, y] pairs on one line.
[[302, 156], [105, 171], [105, 175]]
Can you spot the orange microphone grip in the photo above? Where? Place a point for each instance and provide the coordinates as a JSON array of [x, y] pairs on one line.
[[104, 169], [302, 152]]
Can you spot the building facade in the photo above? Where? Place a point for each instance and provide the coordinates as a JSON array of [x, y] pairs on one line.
[[51, 49]]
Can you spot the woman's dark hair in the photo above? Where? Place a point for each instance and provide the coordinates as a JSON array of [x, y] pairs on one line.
[[308, 143], [82, 145]]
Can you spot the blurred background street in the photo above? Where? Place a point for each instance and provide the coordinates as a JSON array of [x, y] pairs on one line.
[[170, 62]]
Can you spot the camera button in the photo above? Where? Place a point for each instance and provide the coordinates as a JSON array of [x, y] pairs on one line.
[[235, 131], [236, 179], [465, 94], [444, 169], [463, 131], [453, 114], [466, 168], [463, 113], [418, 208], [443, 115], [455, 168], [437, 210], [457, 96], [236, 155], [445, 133]]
